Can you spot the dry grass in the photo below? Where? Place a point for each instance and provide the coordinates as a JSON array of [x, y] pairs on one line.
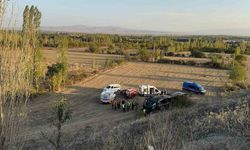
[[80, 57], [197, 60], [248, 68], [222, 124]]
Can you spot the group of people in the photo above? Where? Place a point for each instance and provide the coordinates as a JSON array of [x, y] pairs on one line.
[[125, 105]]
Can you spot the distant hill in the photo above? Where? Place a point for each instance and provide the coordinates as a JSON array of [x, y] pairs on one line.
[[103, 30]]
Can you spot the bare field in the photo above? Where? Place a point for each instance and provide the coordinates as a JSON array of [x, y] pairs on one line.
[[84, 97], [80, 57]]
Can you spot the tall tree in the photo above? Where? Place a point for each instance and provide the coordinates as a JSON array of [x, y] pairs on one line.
[[63, 57], [26, 19], [31, 23], [15, 79]]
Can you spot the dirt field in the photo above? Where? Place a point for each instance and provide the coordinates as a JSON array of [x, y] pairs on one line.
[[84, 97], [79, 56]]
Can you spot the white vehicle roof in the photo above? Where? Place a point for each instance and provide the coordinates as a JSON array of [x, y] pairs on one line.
[[145, 86], [114, 85]]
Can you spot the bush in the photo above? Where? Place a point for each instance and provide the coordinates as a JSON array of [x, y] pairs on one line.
[[76, 77], [198, 54], [217, 61], [120, 61], [241, 59], [94, 48], [108, 63], [55, 76], [170, 54], [238, 73], [144, 55]]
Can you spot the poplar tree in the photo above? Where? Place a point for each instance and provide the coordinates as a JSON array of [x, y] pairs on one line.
[[63, 58], [31, 23]]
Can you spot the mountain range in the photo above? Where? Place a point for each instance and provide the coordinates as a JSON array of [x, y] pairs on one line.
[[103, 30], [127, 31]]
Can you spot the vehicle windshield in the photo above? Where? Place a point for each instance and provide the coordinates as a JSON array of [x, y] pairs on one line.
[[201, 88]]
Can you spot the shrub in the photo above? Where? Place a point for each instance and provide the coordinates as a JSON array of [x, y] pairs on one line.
[[94, 48], [217, 61], [76, 77], [238, 73], [198, 54], [108, 63], [229, 87], [144, 55], [241, 59], [55, 76], [120, 61], [170, 54]]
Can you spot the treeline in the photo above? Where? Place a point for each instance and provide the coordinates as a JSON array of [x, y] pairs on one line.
[[165, 43]]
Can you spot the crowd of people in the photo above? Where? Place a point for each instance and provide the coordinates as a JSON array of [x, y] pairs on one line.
[[124, 105]]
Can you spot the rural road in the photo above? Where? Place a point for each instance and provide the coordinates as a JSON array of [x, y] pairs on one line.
[[84, 97]]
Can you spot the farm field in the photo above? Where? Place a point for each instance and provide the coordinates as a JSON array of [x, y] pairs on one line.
[[84, 97], [197, 60], [78, 56]]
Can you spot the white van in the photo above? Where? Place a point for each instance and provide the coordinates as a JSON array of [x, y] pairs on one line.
[[145, 90], [109, 93]]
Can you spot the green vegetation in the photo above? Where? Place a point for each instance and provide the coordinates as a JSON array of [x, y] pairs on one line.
[[144, 55], [197, 54], [238, 72], [20, 71], [61, 114], [107, 43], [109, 63], [57, 73]]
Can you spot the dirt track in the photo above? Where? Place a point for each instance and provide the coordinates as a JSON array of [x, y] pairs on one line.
[[84, 97]]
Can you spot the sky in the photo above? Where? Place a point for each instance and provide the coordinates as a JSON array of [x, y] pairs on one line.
[[158, 15]]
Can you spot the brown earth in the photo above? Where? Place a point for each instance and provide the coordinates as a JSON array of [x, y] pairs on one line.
[[84, 97], [79, 56]]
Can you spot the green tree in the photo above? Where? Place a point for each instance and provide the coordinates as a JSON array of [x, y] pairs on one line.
[[62, 114], [31, 23], [144, 55], [238, 73], [241, 59], [63, 58], [94, 48], [26, 13], [108, 63], [237, 51]]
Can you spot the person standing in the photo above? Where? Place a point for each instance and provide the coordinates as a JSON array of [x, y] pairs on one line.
[[123, 106]]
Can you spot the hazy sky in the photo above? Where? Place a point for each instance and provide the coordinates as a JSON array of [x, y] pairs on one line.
[[164, 15]]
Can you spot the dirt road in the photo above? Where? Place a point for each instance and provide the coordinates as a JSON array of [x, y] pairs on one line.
[[84, 97]]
